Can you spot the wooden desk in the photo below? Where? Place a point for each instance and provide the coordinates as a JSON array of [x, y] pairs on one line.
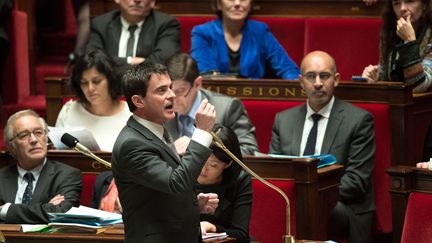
[[404, 180], [410, 115], [316, 191], [20, 237]]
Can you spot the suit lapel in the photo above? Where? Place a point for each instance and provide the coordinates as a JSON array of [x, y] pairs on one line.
[[11, 184], [45, 177], [152, 138], [333, 125], [114, 32], [297, 132]]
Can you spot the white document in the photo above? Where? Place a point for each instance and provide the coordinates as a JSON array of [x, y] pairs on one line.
[[84, 136]]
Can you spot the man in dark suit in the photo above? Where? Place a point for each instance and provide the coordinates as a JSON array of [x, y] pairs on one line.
[[187, 85], [135, 32], [341, 129], [156, 186], [35, 185]]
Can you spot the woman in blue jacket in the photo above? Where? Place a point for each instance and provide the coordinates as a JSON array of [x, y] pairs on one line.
[[235, 44]]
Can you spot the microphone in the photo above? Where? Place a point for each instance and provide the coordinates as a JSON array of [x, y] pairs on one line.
[[287, 238], [72, 142]]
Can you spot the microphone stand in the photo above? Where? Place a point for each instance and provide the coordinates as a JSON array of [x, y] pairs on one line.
[[287, 238], [93, 156]]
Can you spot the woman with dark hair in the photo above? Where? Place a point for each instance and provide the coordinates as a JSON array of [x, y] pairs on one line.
[[235, 44], [406, 40], [95, 82], [223, 176]]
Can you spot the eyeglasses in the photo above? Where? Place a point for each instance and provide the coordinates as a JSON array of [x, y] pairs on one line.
[[25, 135], [182, 92], [311, 77]]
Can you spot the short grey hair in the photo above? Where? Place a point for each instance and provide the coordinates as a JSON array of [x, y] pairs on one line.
[[8, 131]]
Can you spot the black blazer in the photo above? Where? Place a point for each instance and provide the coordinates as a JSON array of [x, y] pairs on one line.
[[55, 178], [159, 37], [156, 189]]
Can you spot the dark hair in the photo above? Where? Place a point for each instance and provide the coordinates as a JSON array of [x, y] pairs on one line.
[[104, 64], [135, 80], [182, 66], [229, 138], [389, 38]]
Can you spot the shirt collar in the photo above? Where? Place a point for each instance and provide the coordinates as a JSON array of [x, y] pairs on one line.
[[195, 105], [126, 24], [35, 171], [324, 112], [155, 128]]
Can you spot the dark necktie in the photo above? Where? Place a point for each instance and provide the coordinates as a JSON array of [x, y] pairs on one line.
[[28, 193], [184, 121], [170, 142], [131, 41], [311, 141]]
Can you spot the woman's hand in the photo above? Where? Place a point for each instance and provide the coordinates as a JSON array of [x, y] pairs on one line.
[[405, 30], [207, 227], [371, 73], [423, 165]]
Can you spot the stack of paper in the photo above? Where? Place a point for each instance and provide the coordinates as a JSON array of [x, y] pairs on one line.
[[85, 217], [214, 236]]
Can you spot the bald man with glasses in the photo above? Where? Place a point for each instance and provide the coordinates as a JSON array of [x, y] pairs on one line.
[[327, 125], [35, 185]]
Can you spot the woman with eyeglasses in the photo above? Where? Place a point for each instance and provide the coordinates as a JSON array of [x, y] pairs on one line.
[[95, 82], [406, 40], [237, 45]]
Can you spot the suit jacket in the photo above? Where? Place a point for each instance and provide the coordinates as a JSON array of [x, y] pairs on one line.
[[349, 137], [55, 178], [156, 188], [234, 209], [158, 40], [231, 113], [259, 48]]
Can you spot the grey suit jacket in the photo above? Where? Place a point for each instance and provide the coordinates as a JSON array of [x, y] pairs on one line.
[[231, 113], [156, 188], [159, 37], [349, 137], [55, 178]]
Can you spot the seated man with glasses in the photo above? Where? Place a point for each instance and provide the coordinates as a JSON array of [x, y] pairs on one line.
[[187, 86], [35, 185], [327, 125]]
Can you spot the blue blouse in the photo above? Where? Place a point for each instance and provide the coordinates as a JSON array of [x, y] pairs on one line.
[[259, 48]]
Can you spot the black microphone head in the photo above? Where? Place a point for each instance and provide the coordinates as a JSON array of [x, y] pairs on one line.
[[69, 140]]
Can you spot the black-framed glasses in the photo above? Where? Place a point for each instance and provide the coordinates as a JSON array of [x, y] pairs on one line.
[[182, 92], [25, 135], [311, 76]]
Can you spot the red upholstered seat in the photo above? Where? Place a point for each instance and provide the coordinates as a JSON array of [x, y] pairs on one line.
[[353, 42], [16, 75], [186, 25], [87, 190], [381, 180], [262, 113], [290, 34], [418, 219], [268, 210]]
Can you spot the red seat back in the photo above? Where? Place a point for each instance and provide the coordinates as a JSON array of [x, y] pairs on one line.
[[87, 190], [353, 42], [186, 25], [268, 210], [418, 218]]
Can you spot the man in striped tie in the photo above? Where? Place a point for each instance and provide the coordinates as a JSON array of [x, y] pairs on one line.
[[35, 185]]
